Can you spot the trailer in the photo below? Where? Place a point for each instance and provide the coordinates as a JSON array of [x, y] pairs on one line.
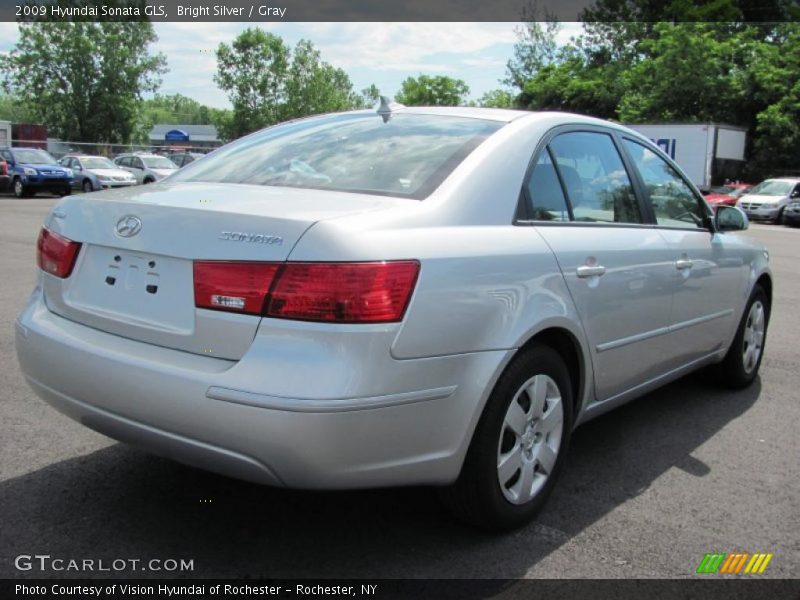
[[709, 153]]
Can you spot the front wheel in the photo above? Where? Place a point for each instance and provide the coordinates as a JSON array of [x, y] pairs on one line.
[[779, 217], [19, 188], [87, 186], [741, 363], [519, 444]]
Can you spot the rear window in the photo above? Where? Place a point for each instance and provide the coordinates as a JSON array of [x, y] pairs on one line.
[[407, 156]]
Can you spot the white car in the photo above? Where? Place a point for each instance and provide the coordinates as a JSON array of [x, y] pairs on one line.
[[768, 200], [146, 168], [423, 296]]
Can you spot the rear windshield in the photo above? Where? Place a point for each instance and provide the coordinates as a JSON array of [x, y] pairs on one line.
[[407, 156]]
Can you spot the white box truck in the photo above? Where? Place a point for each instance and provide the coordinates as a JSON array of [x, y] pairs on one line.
[[5, 133], [705, 151]]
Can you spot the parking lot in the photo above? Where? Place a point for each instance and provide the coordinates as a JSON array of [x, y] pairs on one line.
[[647, 491]]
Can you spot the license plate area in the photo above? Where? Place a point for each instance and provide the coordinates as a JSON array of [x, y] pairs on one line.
[[141, 289]]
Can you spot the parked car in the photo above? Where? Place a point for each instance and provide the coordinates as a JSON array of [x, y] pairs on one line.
[[146, 168], [422, 296], [32, 170], [791, 216], [768, 200], [184, 158], [726, 194], [96, 173]]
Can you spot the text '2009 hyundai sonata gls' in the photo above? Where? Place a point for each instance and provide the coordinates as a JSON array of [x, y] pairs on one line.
[[432, 296]]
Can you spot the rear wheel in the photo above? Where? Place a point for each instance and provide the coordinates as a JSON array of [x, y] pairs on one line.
[[743, 359], [519, 444]]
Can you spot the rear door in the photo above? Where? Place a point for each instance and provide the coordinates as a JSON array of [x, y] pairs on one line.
[[708, 269], [581, 198]]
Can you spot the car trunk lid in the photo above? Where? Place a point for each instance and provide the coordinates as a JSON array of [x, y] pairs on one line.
[[134, 274]]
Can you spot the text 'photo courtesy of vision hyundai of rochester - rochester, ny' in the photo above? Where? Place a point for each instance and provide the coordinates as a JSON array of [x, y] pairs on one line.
[[407, 296]]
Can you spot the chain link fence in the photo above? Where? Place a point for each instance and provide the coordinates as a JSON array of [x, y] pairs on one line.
[[60, 148]]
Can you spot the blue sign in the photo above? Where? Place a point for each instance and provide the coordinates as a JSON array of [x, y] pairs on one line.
[[176, 135]]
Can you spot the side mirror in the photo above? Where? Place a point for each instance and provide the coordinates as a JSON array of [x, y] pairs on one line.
[[730, 218], [795, 194]]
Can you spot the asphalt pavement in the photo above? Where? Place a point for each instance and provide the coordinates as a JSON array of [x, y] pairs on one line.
[[648, 490]]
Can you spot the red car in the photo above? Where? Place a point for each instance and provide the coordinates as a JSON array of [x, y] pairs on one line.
[[726, 194], [5, 180]]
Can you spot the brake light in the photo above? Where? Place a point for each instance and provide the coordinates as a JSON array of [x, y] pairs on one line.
[[344, 292], [369, 292], [3, 167], [56, 254], [233, 286]]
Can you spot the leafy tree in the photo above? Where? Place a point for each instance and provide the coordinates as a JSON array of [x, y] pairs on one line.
[[370, 96], [436, 90], [253, 71], [268, 82], [536, 45], [314, 86], [497, 99], [15, 110], [84, 80]]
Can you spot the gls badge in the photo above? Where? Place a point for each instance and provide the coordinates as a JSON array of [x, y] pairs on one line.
[[253, 238]]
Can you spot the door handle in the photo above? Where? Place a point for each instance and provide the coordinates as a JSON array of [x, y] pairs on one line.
[[590, 270], [683, 263]]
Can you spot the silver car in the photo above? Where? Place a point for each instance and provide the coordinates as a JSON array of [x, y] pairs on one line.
[[433, 296], [146, 168], [768, 200]]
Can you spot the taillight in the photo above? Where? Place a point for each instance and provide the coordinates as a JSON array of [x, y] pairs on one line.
[[370, 292], [344, 292], [233, 286], [56, 254]]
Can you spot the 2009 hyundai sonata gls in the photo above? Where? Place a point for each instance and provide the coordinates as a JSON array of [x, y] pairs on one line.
[[414, 296]]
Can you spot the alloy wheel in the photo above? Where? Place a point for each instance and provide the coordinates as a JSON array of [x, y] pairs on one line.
[[530, 439], [753, 340]]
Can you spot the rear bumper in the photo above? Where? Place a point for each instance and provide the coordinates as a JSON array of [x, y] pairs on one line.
[[214, 414]]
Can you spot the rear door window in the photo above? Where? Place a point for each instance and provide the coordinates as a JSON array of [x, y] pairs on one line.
[[595, 178], [546, 201]]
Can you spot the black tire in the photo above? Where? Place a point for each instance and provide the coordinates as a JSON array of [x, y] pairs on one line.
[[779, 217], [20, 191], [87, 186], [476, 497], [733, 372], [148, 180]]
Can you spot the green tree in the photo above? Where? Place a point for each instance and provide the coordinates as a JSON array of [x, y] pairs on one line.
[[314, 86], [497, 99], [15, 110], [84, 80], [370, 96], [252, 71], [436, 90], [536, 45], [268, 82]]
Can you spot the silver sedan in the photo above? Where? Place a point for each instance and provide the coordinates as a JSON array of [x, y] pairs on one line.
[[433, 296]]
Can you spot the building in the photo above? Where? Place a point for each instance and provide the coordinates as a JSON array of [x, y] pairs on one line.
[[185, 137]]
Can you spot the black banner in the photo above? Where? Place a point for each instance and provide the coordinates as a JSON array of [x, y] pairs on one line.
[[704, 588]]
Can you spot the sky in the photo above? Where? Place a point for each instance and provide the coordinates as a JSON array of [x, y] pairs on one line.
[[379, 53]]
